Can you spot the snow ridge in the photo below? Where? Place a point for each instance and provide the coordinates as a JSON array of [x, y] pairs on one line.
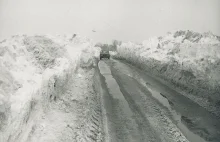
[[34, 73], [189, 60]]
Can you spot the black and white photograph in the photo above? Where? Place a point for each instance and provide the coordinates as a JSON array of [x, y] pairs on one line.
[[109, 70]]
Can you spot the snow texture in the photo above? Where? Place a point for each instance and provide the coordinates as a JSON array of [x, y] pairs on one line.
[[43, 79], [189, 60]]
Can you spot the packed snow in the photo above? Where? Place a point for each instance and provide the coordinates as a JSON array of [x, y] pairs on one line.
[[189, 60], [36, 72]]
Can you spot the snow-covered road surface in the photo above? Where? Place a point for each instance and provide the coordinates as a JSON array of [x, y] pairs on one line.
[[140, 108]]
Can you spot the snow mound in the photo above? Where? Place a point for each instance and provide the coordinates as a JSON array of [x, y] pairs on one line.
[[188, 59], [34, 71]]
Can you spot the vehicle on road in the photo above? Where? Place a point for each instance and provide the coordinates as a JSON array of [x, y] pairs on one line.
[[104, 54]]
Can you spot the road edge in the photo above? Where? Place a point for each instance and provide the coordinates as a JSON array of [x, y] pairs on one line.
[[99, 91]]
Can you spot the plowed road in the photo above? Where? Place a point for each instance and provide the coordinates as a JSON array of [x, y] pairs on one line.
[[139, 108]]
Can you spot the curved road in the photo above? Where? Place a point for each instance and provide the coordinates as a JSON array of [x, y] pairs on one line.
[[139, 108]]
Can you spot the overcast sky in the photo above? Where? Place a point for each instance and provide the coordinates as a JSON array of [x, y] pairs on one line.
[[133, 20]]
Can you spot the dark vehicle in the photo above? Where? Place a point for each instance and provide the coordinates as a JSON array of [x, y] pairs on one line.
[[104, 54]]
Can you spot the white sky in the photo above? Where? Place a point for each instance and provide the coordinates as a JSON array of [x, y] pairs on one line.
[[133, 20]]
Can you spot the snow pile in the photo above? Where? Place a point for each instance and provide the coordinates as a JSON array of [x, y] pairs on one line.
[[34, 72], [190, 60]]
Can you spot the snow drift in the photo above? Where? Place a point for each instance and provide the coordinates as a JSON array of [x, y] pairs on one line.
[[189, 60], [34, 71]]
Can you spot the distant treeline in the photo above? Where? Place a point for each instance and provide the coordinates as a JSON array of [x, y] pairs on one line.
[[109, 47]]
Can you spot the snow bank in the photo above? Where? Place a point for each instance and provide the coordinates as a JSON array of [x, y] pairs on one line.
[[189, 60], [34, 72]]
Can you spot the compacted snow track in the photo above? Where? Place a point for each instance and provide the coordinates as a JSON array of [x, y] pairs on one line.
[[138, 108]]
